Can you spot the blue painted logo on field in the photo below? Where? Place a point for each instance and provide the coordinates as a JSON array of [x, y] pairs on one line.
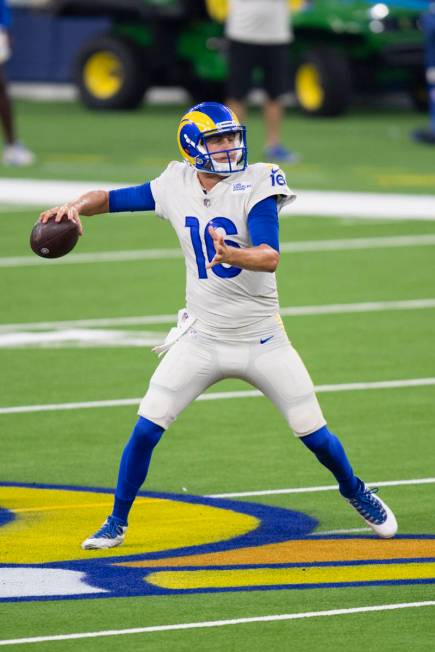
[[180, 544]]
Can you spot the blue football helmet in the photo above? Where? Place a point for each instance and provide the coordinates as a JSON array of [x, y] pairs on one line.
[[206, 120]]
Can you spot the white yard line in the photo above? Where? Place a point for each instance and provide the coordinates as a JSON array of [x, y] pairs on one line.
[[80, 337], [99, 322], [94, 257], [220, 623], [381, 242], [292, 311], [370, 306], [50, 407], [354, 530], [378, 242], [309, 202], [331, 487], [216, 396]]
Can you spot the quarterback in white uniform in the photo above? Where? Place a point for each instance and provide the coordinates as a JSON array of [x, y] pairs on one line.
[[225, 214]]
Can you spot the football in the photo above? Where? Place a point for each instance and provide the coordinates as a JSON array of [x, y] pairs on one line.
[[54, 239]]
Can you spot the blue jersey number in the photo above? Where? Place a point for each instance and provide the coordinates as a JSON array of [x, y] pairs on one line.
[[229, 227]]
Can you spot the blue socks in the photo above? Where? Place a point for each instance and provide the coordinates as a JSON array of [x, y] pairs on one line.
[[134, 466], [136, 459], [329, 451]]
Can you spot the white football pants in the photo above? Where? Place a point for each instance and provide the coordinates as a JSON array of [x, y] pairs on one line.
[[196, 361]]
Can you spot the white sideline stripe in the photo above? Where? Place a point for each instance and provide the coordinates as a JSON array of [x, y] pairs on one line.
[[292, 311], [220, 623], [370, 306], [331, 487], [165, 254], [48, 192], [216, 396], [369, 205]]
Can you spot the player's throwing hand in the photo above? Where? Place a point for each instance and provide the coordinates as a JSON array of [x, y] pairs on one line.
[[223, 251], [58, 212]]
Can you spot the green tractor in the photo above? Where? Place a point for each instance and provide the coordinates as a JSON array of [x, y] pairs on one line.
[[343, 47], [340, 47]]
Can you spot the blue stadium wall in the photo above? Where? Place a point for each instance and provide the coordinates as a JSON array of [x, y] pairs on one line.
[[44, 47]]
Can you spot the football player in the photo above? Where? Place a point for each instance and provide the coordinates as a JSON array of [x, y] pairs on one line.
[[225, 214]]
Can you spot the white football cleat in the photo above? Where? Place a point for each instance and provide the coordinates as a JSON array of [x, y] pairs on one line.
[[111, 534], [374, 512]]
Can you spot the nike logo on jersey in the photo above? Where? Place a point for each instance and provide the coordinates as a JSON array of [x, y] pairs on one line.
[[265, 339]]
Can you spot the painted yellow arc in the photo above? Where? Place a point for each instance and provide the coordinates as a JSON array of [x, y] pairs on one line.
[[50, 524], [208, 579]]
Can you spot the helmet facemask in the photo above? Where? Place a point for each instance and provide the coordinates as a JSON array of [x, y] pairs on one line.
[[233, 159], [199, 125]]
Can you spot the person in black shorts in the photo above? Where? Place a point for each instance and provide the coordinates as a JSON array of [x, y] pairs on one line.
[[258, 33]]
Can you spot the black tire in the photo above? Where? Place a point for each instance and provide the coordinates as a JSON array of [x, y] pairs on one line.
[[110, 73], [323, 82]]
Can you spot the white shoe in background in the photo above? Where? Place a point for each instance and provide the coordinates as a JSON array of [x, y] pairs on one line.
[[17, 155]]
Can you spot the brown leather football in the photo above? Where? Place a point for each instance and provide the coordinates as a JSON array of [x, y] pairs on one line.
[[54, 239]]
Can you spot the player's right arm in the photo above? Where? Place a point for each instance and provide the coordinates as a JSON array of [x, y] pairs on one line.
[[135, 198], [91, 203]]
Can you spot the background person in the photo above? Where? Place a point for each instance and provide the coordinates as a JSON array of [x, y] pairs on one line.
[[428, 23], [258, 33], [14, 152]]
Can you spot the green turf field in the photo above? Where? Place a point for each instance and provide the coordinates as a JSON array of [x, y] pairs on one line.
[[221, 446], [366, 150]]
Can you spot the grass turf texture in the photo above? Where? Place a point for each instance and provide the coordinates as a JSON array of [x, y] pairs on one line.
[[395, 631], [365, 150], [219, 446]]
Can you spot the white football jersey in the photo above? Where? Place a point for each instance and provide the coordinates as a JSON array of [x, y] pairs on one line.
[[223, 298]]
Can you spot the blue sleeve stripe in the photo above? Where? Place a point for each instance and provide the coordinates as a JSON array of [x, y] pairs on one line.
[[263, 225], [135, 198]]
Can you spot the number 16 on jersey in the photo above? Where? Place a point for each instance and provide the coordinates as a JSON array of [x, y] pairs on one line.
[[229, 227]]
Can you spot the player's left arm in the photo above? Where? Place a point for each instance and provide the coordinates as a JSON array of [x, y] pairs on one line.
[[263, 229]]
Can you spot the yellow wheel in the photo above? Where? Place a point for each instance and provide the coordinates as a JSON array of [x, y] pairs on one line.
[[323, 81], [111, 72], [217, 9], [103, 75], [308, 87]]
